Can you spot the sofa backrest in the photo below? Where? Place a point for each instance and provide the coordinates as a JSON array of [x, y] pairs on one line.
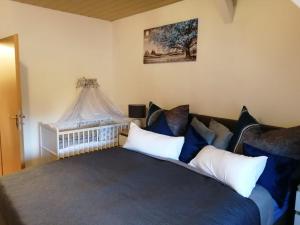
[[229, 123]]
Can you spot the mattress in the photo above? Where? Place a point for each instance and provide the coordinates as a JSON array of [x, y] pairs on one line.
[[90, 145], [122, 187]]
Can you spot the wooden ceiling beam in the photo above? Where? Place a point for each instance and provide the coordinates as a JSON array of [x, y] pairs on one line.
[[226, 9]]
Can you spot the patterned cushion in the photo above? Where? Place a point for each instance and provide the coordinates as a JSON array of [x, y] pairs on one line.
[[152, 114], [177, 118], [248, 133], [160, 126], [245, 122]]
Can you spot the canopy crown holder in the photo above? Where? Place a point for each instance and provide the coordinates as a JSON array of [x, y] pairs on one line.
[[84, 82]]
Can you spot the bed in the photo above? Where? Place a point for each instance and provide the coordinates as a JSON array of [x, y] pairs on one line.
[[123, 187], [99, 188]]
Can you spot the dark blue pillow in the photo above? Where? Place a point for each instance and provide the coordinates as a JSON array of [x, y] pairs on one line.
[[161, 126], [245, 122], [193, 143], [151, 109], [277, 173]]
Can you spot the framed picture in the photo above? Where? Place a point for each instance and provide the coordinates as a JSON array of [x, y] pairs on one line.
[[175, 42]]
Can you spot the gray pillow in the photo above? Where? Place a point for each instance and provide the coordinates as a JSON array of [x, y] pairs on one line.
[[284, 142], [223, 134], [208, 134]]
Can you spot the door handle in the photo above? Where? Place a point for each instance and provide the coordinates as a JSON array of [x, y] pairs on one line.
[[19, 119]]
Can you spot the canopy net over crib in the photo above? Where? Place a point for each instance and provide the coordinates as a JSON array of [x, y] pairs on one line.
[[92, 108]]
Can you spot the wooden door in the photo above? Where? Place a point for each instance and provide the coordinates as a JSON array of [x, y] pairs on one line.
[[10, 106]]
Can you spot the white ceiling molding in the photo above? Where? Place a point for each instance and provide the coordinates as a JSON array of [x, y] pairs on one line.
[[297, 2], [226, 9]]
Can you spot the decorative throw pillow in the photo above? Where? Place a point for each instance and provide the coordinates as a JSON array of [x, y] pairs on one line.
[[237, 171], [277, 173], [283, 141], [223, 134], [177, 118], [193, 143], [208, 134], [153, 143], [152, 113], [154, 116], [160, 126], [245, 122], [254, 130]]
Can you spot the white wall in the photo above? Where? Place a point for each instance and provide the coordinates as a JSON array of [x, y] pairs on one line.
[[253, 61], [55, 49]]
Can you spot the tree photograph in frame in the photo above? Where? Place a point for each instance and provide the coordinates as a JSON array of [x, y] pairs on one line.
[[175, 42]]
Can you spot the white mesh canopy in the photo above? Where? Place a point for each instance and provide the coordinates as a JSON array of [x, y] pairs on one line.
[[91, 108]]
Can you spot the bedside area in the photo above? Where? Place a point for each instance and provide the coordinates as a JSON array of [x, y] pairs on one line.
[[122, 137], [297, 207]]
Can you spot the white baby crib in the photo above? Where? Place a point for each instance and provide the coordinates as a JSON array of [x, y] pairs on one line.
[[55, 143]]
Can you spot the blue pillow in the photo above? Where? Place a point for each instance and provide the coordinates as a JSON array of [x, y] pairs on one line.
[[161, 126], [152, 109], [193, 143], [277, 173], [245, 122]]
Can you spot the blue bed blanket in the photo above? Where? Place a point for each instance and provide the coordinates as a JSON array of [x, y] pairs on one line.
[[120, 187]]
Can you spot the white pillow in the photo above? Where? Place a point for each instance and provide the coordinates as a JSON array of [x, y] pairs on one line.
[[237, 171], [153, 143]]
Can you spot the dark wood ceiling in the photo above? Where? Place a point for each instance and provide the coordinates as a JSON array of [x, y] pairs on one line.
[[102, 9]]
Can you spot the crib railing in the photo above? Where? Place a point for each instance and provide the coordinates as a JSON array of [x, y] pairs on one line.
[[77, 141]]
